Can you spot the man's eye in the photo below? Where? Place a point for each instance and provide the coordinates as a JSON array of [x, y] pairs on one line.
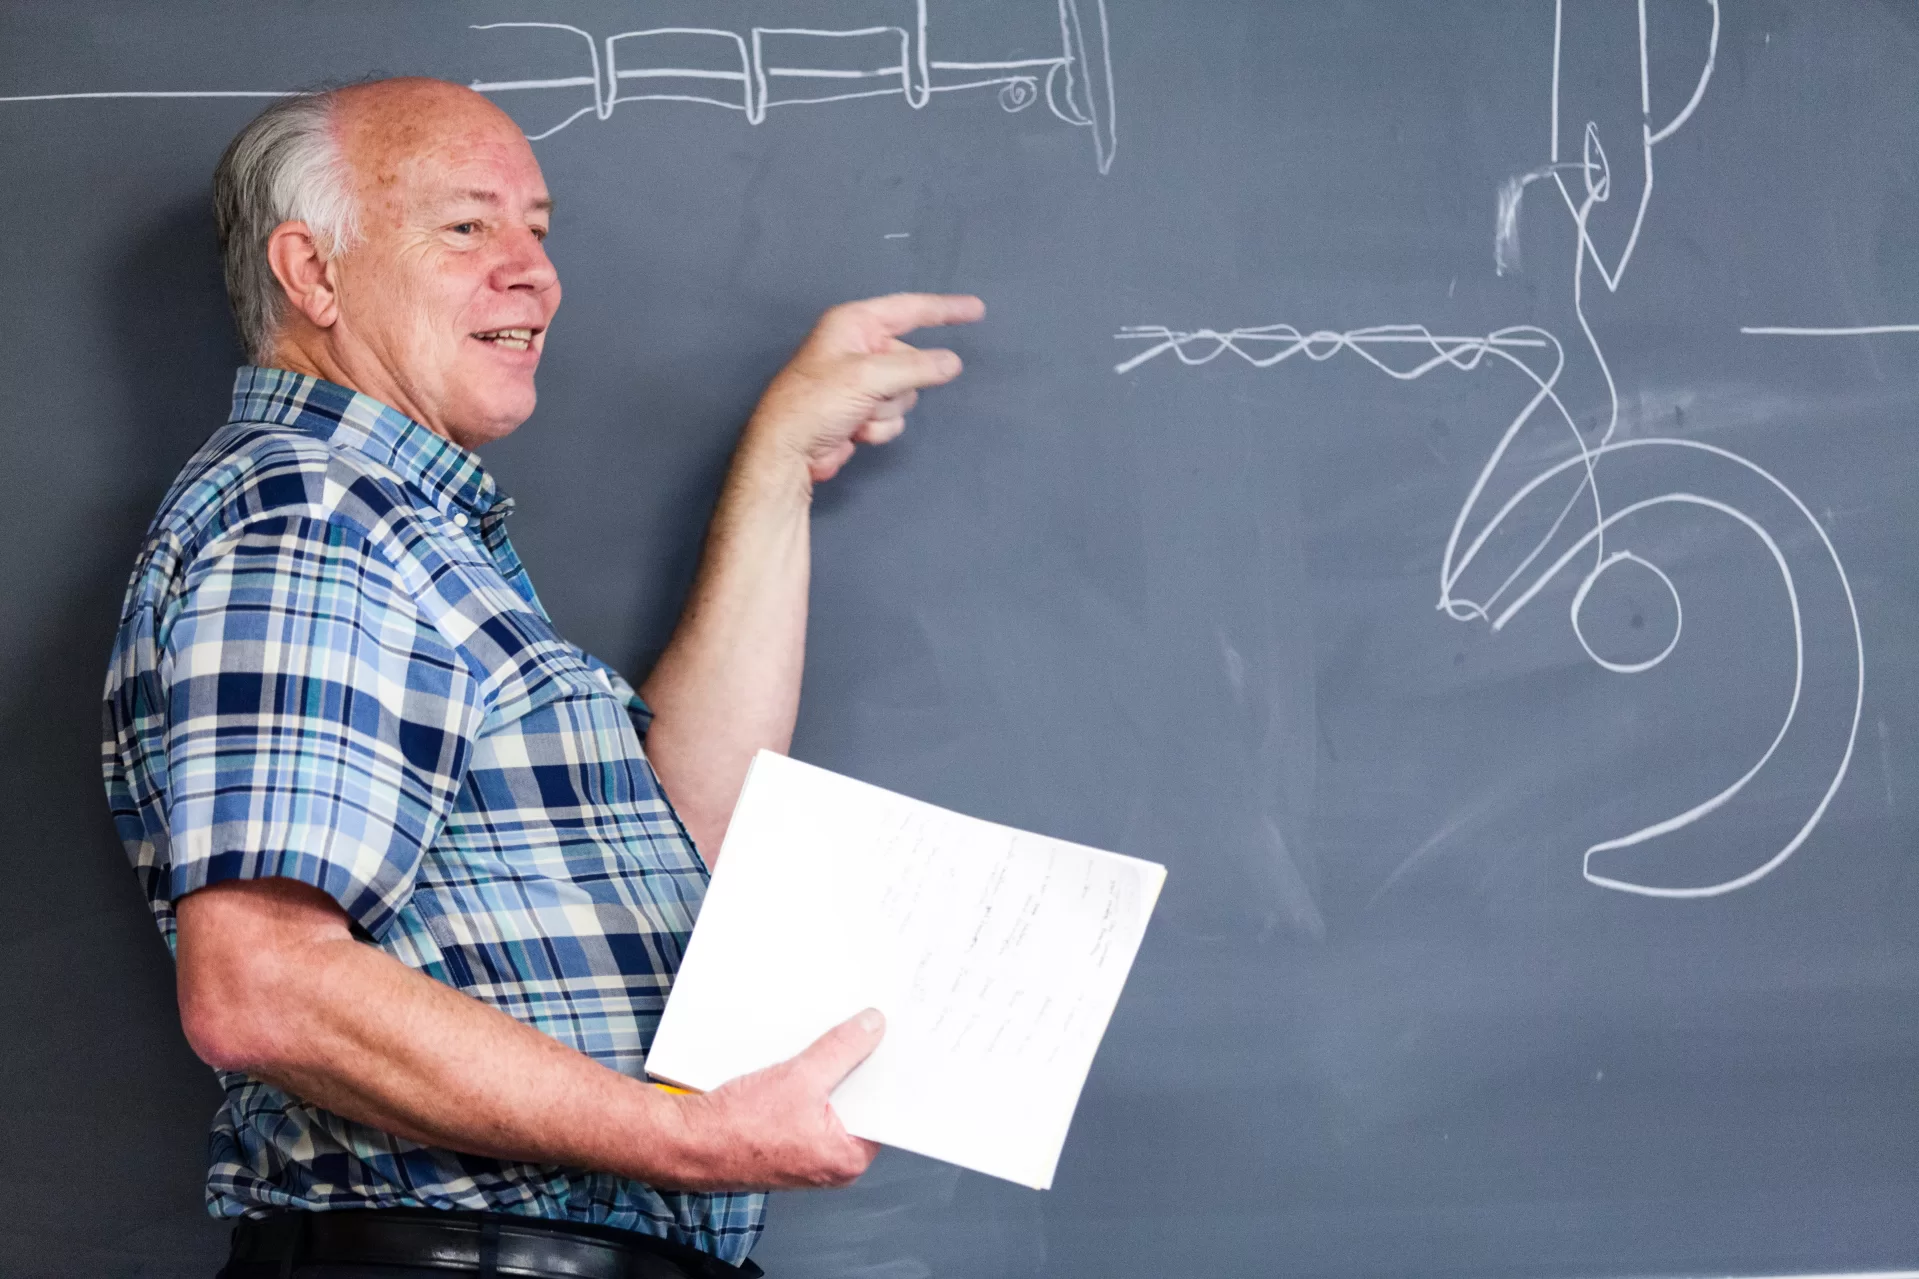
[[539, 233], [465, 228]]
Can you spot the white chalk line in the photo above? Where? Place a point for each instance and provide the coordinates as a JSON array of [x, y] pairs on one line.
[[1837, 1274], [565, 82], [1266, 346], [675, 73], [1849, 331], [156, 93]]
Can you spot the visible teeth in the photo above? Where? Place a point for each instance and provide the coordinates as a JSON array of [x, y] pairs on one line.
[[512, 339]]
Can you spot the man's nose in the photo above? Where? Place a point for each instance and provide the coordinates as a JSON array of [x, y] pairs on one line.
[[525, 264]]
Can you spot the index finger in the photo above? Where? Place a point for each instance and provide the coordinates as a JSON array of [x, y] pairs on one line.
[[899, 313]]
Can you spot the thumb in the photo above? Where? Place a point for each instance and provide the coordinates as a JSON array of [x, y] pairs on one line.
[[832, 1056]]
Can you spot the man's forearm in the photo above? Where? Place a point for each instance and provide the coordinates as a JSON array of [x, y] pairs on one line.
[[423, 1061], [273, 984], [349, 1028], [728, 684]]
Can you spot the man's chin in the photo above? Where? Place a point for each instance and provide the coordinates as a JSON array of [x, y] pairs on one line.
[[486, 418]]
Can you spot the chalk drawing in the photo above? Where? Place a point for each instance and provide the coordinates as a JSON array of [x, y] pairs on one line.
[[1407, 352], [1598, 179], [756, 70]]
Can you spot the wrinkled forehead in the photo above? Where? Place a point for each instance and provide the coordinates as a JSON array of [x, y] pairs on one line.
[[423, 145]]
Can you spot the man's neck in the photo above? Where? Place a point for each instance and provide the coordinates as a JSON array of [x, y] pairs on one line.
[[314, 354]]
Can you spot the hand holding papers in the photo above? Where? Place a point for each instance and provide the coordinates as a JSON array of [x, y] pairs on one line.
[[996, 955]]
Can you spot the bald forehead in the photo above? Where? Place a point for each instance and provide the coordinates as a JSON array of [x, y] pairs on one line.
[[394, 133]]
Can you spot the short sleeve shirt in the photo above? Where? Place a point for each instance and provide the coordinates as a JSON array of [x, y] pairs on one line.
[[332, 667]]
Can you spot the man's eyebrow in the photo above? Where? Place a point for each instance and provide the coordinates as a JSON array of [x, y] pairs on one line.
[[480, 195]]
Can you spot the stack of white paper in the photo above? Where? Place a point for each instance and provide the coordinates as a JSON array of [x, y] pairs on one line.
[[996, 955]]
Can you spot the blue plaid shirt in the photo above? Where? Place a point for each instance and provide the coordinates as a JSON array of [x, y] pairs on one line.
[[332, 667]]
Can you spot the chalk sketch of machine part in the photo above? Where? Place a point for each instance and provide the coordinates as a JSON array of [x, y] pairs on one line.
[[758, 68], [1618, 196]]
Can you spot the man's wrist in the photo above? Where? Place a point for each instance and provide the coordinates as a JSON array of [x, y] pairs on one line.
[[768, 461], [684, 1146], [651, 1138]]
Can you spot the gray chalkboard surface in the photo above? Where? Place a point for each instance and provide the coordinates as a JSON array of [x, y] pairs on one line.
[[1423, 480]]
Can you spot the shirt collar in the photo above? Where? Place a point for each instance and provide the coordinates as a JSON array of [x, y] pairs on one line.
[[449, 475]]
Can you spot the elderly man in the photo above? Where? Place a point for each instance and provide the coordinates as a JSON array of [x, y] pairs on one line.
[[425, 891]]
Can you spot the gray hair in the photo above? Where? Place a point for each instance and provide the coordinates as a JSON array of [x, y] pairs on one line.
[[286, 166]]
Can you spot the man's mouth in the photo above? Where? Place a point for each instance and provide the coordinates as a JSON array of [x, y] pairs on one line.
[[508, 339]]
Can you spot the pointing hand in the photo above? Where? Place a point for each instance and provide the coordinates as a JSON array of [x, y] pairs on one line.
[[853, 380]]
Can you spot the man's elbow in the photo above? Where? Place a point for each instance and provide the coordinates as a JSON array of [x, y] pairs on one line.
[[239, 975], [220, 1035], [229, 1019], [704, 815]]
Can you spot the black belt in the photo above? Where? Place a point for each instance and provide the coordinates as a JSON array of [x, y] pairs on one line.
[[484, 1243]]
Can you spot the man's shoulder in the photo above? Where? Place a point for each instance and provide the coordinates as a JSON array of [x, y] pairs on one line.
[[259, 476], [244, 470], [248, 471]]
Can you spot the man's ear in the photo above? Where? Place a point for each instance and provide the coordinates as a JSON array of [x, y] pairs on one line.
[[302, 271]]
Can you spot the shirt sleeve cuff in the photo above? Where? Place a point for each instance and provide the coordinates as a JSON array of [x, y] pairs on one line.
[[640, 713], [371, 910]]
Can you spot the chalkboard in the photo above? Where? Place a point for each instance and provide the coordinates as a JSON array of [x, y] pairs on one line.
[[1438, 477]]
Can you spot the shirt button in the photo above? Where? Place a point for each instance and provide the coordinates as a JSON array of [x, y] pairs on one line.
[[459, 518]]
